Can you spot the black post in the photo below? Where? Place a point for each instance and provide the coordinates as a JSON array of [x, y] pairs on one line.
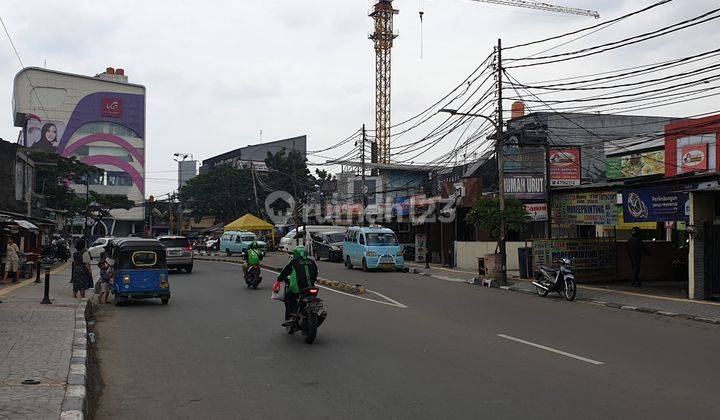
[[37, 271], [46, 297]]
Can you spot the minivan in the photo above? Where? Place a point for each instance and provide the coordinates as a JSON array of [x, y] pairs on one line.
[[234, 241], [371, 248]]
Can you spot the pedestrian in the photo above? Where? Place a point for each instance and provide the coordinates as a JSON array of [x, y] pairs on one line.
[[12, 261], [81, 271], [636, 249], [106, 275]]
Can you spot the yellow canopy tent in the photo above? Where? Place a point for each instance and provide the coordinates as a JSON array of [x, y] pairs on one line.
[[251, 223]]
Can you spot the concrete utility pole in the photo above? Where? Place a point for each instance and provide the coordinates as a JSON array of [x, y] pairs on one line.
[[501, 170], [362, 175]]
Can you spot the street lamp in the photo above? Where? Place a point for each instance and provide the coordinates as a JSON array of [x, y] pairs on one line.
[[501, 183], [181, 157]]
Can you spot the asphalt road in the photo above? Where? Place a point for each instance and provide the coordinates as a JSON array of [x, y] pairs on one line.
[[436, 350]]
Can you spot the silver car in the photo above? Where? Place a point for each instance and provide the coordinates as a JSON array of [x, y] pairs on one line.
[[179, 252]]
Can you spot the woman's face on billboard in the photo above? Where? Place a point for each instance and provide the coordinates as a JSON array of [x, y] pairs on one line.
[[51, 134]]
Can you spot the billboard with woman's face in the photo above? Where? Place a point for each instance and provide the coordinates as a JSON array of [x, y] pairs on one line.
[[43, 135]]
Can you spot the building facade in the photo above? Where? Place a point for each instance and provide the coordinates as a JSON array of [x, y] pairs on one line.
[[100, 120], [255, 154]]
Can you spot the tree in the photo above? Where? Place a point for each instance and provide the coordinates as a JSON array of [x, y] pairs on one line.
[[223, 192], [54, 174], [289, 172], [103, 203], [485, 215]]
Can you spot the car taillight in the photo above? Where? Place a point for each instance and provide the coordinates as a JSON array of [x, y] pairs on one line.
[[188, 248], [313, 292], [126, 280]]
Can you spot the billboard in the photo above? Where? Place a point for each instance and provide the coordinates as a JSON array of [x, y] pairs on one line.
[[636, 164], [43, 135], [538, 211], [655, 204], [586, 208], [565, 168], [694, 158], [524, 159], [525, 186]]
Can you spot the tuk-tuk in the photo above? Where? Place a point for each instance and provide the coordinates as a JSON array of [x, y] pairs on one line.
[[140, 269]]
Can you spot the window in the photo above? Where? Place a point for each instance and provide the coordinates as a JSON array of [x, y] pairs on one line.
[[175, 242], [19, 180], [119, 179], [144, 258], [362, 240], [335, 238], [106, 128], [96, 179], [382, 239], [248, 238]]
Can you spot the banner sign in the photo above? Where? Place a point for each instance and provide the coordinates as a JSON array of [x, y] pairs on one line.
[[655, 204], [588, 208], [525, 186], [565, 168], [637, 164], [402, 206], [694, 158], [593, 258], [524, 159], [538, 211], [623, 225]]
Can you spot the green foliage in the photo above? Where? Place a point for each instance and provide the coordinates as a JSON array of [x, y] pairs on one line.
[[53, 176], [223, 192], [485, 215], [101, 204]]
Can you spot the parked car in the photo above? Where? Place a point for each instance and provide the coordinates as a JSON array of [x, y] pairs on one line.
[[372, 247], [98, 246], [179, 252], [235, 242], [303, 236], [328, 245]]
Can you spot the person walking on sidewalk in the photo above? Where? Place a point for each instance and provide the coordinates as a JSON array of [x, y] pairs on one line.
[[12, 261], [636, 249], [105, 283], [81, 271]]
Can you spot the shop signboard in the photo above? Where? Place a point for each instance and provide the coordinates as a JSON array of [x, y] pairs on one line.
[[593, 258], [402, 206], [694, 158], [585, 208], [655, 204], [636, 164], [565, 168], [623, 225], [524, 159], [525, 186], [538, 211]]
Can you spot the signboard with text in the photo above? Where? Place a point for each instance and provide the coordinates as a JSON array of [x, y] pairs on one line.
[[694, 158], [538, 211], [586, 208], [565, 168], [655, 204], [112, 107], [525, 186], [636, 164], [524, 159]]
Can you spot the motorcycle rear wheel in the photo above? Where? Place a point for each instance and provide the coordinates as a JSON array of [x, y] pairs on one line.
[[570, 290], [309, 331], [540, 291]]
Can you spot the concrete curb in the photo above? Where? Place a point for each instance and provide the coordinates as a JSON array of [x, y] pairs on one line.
[[355, 289], [74, 405]]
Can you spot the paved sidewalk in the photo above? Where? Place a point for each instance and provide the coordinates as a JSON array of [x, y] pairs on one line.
[[36, 342]]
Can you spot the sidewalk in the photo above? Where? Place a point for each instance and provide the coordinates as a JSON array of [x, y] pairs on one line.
[[622, 299], [40, 342]]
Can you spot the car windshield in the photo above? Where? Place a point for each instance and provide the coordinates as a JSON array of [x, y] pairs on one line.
[[248, 238], [381, 239], [334, 238], [175, 242]]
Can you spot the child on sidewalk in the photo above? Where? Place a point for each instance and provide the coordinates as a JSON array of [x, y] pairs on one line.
[[106, 275]]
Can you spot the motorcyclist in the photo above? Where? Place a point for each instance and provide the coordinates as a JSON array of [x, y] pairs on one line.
[[252, 256], [300, 274]]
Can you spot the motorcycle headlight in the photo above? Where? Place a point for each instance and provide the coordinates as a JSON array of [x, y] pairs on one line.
[[371, 254]]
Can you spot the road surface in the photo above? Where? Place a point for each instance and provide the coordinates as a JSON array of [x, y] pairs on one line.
[[412, 348]]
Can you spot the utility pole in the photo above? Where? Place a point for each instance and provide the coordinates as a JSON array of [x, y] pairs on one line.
[[501, 170], [362, 175], [87, 206], [252, 173]]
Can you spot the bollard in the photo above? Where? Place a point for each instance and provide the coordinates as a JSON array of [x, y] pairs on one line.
[[46, 298], [37, 271]]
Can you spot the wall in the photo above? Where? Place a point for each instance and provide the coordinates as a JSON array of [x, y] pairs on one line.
[[467, 253], [702, 208]]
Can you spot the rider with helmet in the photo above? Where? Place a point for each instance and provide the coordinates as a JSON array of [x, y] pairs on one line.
[[252, 256], [300, 274]]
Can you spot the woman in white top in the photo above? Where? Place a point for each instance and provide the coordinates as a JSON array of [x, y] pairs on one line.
[[12, 260]]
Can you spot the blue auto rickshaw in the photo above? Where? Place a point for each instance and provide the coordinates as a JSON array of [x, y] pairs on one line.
[[140, 270]]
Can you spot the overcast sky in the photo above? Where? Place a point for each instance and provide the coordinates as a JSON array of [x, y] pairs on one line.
[[217, 75]]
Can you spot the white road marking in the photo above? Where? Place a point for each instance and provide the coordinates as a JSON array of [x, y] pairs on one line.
[[391, 302], [550, 349]]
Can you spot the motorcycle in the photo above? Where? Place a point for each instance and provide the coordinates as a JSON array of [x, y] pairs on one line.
[[561, 281], [253, 277], [62, 251], [308, 317]]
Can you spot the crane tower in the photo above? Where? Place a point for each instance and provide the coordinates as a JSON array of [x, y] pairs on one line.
[[383, 36]]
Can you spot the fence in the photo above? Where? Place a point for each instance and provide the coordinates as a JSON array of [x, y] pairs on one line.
[[594, 259]]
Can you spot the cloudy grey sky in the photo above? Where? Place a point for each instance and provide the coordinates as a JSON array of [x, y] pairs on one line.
[[218, 72]]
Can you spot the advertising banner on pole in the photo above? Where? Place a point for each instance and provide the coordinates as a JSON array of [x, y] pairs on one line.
[[587, 208], [655, 204], [565, 168]]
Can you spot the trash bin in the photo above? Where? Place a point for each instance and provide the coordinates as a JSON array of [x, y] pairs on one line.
[[525, 260]]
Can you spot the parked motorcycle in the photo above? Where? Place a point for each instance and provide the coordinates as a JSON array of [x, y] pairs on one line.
[[308, 317], [62, 250], [253, 276], [561, 281]]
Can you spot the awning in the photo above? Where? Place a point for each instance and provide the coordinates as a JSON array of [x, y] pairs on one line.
[[26, 225]]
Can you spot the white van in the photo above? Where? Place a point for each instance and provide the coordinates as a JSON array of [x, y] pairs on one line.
[[304, 237]]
